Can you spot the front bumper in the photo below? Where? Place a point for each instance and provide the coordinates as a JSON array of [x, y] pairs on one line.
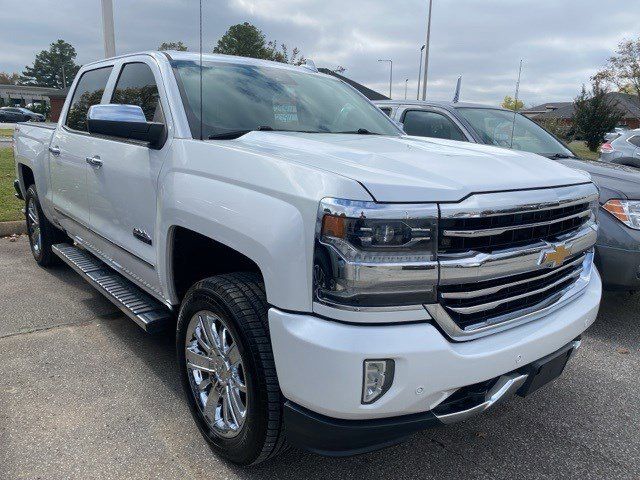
[[319, 362], [337, 437]]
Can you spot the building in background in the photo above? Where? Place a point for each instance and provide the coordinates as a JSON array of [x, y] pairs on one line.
[[36, 98], [563, 111]]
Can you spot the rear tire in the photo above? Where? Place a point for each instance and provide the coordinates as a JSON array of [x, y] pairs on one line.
[[231, 306], [42, 233]]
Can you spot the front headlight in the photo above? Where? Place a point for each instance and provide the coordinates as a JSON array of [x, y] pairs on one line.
[[371, 255], [627, 211]]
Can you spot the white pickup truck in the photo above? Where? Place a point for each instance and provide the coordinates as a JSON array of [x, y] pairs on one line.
[[333, 283]]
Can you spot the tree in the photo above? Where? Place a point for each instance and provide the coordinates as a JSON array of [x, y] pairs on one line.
[[512, 104], [9, 78], [623, 68], [179, 46], [53, 68], [247, 40], [594, 115]]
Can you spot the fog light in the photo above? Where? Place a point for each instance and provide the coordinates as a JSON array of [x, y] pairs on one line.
[[378, 377]]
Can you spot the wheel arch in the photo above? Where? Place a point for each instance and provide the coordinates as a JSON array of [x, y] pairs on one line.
[[193, 256]]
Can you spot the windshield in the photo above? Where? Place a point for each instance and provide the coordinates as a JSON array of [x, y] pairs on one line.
[[495, 128], [239, 97]]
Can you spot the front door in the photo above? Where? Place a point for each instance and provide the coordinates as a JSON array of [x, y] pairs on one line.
[[123, 184], [69, 148]]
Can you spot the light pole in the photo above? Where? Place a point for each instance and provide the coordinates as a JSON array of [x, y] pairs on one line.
[[390, 74], [426, 55], [107, 29], [406, 85], [420, 72]]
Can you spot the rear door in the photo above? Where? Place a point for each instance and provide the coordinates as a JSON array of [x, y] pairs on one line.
[[634, 142], [70, 146]]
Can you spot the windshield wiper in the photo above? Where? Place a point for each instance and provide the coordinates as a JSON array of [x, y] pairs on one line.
[[561, 155], [230, 135], [360, 131]]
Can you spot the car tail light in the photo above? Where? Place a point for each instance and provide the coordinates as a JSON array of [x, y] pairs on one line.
[[606, 148]]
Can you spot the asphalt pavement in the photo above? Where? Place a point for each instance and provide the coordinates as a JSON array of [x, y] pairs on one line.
[[85, 393]]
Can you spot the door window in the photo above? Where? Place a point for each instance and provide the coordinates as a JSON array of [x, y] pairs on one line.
[[88, 92], [137, 86], [424, 123]]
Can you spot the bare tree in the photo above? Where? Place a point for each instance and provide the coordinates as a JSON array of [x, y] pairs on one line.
[[623, 68]]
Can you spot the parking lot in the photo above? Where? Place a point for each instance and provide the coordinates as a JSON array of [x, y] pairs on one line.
[[84, 393]]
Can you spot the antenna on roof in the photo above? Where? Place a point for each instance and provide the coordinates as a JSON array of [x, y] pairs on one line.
[[456, 96], [201, 137], [515, 105]]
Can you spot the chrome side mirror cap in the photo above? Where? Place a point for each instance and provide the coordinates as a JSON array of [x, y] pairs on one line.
[[125, 121]]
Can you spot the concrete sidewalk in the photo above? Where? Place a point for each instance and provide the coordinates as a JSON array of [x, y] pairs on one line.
[[84, 393]]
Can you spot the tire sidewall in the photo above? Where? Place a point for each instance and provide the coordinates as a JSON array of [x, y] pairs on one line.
[[247, 445], [32, 195]]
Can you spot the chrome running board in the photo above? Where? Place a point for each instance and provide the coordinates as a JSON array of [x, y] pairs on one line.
[[151, 315]]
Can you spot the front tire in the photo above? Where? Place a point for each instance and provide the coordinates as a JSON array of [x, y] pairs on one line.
[[227, 368], [42, 233]]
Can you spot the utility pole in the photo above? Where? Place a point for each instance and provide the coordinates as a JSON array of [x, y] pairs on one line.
[[107, 29], [64, 79], [426, 55], [390, 74], [420, 72], [406, 85]]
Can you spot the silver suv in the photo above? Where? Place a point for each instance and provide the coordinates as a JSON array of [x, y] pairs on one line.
[[624, 150]]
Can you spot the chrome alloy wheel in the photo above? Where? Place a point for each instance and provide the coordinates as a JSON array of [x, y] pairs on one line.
[[216, 373], [33, 226]]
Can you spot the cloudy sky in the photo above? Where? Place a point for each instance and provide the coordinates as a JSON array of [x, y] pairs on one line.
[[562, 42]]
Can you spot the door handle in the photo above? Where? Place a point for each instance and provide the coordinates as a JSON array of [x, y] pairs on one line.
[[94, 161], [55, 151]]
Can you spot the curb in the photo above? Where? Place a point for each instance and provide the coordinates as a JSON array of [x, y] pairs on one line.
[[13, 228]]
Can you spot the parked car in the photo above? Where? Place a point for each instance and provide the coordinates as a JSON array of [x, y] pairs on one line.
[[624, 150], [333, 280], [19, 114], [618, 247], [615, 133]]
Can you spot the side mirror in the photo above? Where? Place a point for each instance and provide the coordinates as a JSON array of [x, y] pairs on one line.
[[125, 121]]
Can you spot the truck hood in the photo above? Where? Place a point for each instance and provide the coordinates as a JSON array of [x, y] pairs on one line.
[[413, 169], [613, 180]]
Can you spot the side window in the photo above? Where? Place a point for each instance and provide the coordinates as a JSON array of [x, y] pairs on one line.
[[137, 86], [386, 110], [88, 92], [635, 140], [423, 123]]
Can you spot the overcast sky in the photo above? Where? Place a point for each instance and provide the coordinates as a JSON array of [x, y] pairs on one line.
[[562, 42]]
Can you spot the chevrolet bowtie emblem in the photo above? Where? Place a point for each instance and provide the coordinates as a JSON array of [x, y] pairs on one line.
[[555, 257]]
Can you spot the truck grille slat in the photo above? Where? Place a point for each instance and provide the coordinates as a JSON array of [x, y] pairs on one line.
[[515, 229], [497, 285]]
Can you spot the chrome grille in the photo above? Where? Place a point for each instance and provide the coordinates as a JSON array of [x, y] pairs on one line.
[[498, 257]]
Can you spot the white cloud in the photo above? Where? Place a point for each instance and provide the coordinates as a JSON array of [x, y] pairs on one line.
[[562, 43]]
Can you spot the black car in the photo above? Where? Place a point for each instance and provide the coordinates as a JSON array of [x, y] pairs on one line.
[[19, 114], [618, 246]]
